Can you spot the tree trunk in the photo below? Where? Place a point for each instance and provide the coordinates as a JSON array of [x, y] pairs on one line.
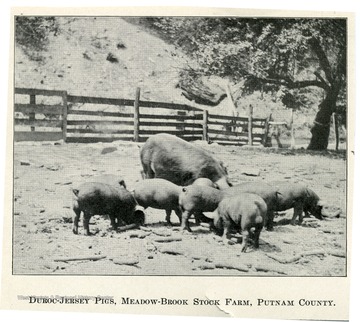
[[321, 129]]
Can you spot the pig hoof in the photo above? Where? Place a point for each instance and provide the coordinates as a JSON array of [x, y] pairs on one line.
[[293, 223], [270, 228], [75, 231]]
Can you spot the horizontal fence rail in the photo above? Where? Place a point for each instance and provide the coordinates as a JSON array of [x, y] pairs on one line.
[[48, 115]]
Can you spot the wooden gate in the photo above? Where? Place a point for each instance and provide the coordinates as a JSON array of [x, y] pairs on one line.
[[39, 115]]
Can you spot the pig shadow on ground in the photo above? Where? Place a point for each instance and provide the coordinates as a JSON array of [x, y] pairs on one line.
[[263, 245], [268, 248], [161, 224], [198, 230], [282, 222], [284, 225]]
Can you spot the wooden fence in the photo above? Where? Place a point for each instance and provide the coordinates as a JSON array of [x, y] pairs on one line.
[[47, 115]]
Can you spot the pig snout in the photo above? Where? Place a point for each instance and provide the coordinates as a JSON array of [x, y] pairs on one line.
[[139, 216], [223, 183]]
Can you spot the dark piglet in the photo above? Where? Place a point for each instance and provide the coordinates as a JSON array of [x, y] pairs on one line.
[[160, 194], [169, 157], [194, 200], [266, 191], [95, 198], [299, 197], [245, 212]]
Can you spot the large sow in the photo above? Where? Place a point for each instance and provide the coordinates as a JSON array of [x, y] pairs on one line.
[[169, 157]]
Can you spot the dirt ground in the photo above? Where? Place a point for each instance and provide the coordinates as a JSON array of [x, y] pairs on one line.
[[44, 174]]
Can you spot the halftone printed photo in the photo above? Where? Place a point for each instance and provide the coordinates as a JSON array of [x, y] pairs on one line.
[[191, 163]]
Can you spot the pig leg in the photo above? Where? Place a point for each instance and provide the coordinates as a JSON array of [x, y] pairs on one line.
[[197, 218], [178, 213], [217, 224], [270, 220], [148, 172], [185, 220], [298, 212], [227, 226], [244, 242], [307, 214], [76, 219], [113, 221], [86, 220], [168, 215], [257, 235]]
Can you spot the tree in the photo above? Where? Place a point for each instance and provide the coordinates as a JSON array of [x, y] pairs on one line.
[[281, 52], [32, 32]]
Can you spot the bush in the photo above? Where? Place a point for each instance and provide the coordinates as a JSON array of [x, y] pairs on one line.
[[32, 33]]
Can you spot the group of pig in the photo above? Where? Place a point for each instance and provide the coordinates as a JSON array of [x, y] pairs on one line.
[[181, 177]]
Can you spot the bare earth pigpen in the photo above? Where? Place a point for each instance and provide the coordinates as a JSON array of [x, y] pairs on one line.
[[44, 174]]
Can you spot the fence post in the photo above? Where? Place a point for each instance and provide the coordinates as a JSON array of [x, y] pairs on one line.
[[205, 125], [137, 115], [292, 134], [266, 131], [32, 115], [250, 139], [336, 126], [64, 116], [181, 120]]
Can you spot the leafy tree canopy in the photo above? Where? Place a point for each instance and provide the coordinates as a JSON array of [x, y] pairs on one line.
[[293, 53], [32, 32]]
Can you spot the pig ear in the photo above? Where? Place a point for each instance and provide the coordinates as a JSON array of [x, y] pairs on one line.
[[321, 203], [122, 183], [76, 192]]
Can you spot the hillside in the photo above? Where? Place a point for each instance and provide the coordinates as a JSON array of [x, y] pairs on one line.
[[76, 61], [114, 56]]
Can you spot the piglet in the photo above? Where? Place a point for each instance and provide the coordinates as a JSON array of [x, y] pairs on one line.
[[197, 199], [244, 211], [95, 198], [299, 197], [160, 194]]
